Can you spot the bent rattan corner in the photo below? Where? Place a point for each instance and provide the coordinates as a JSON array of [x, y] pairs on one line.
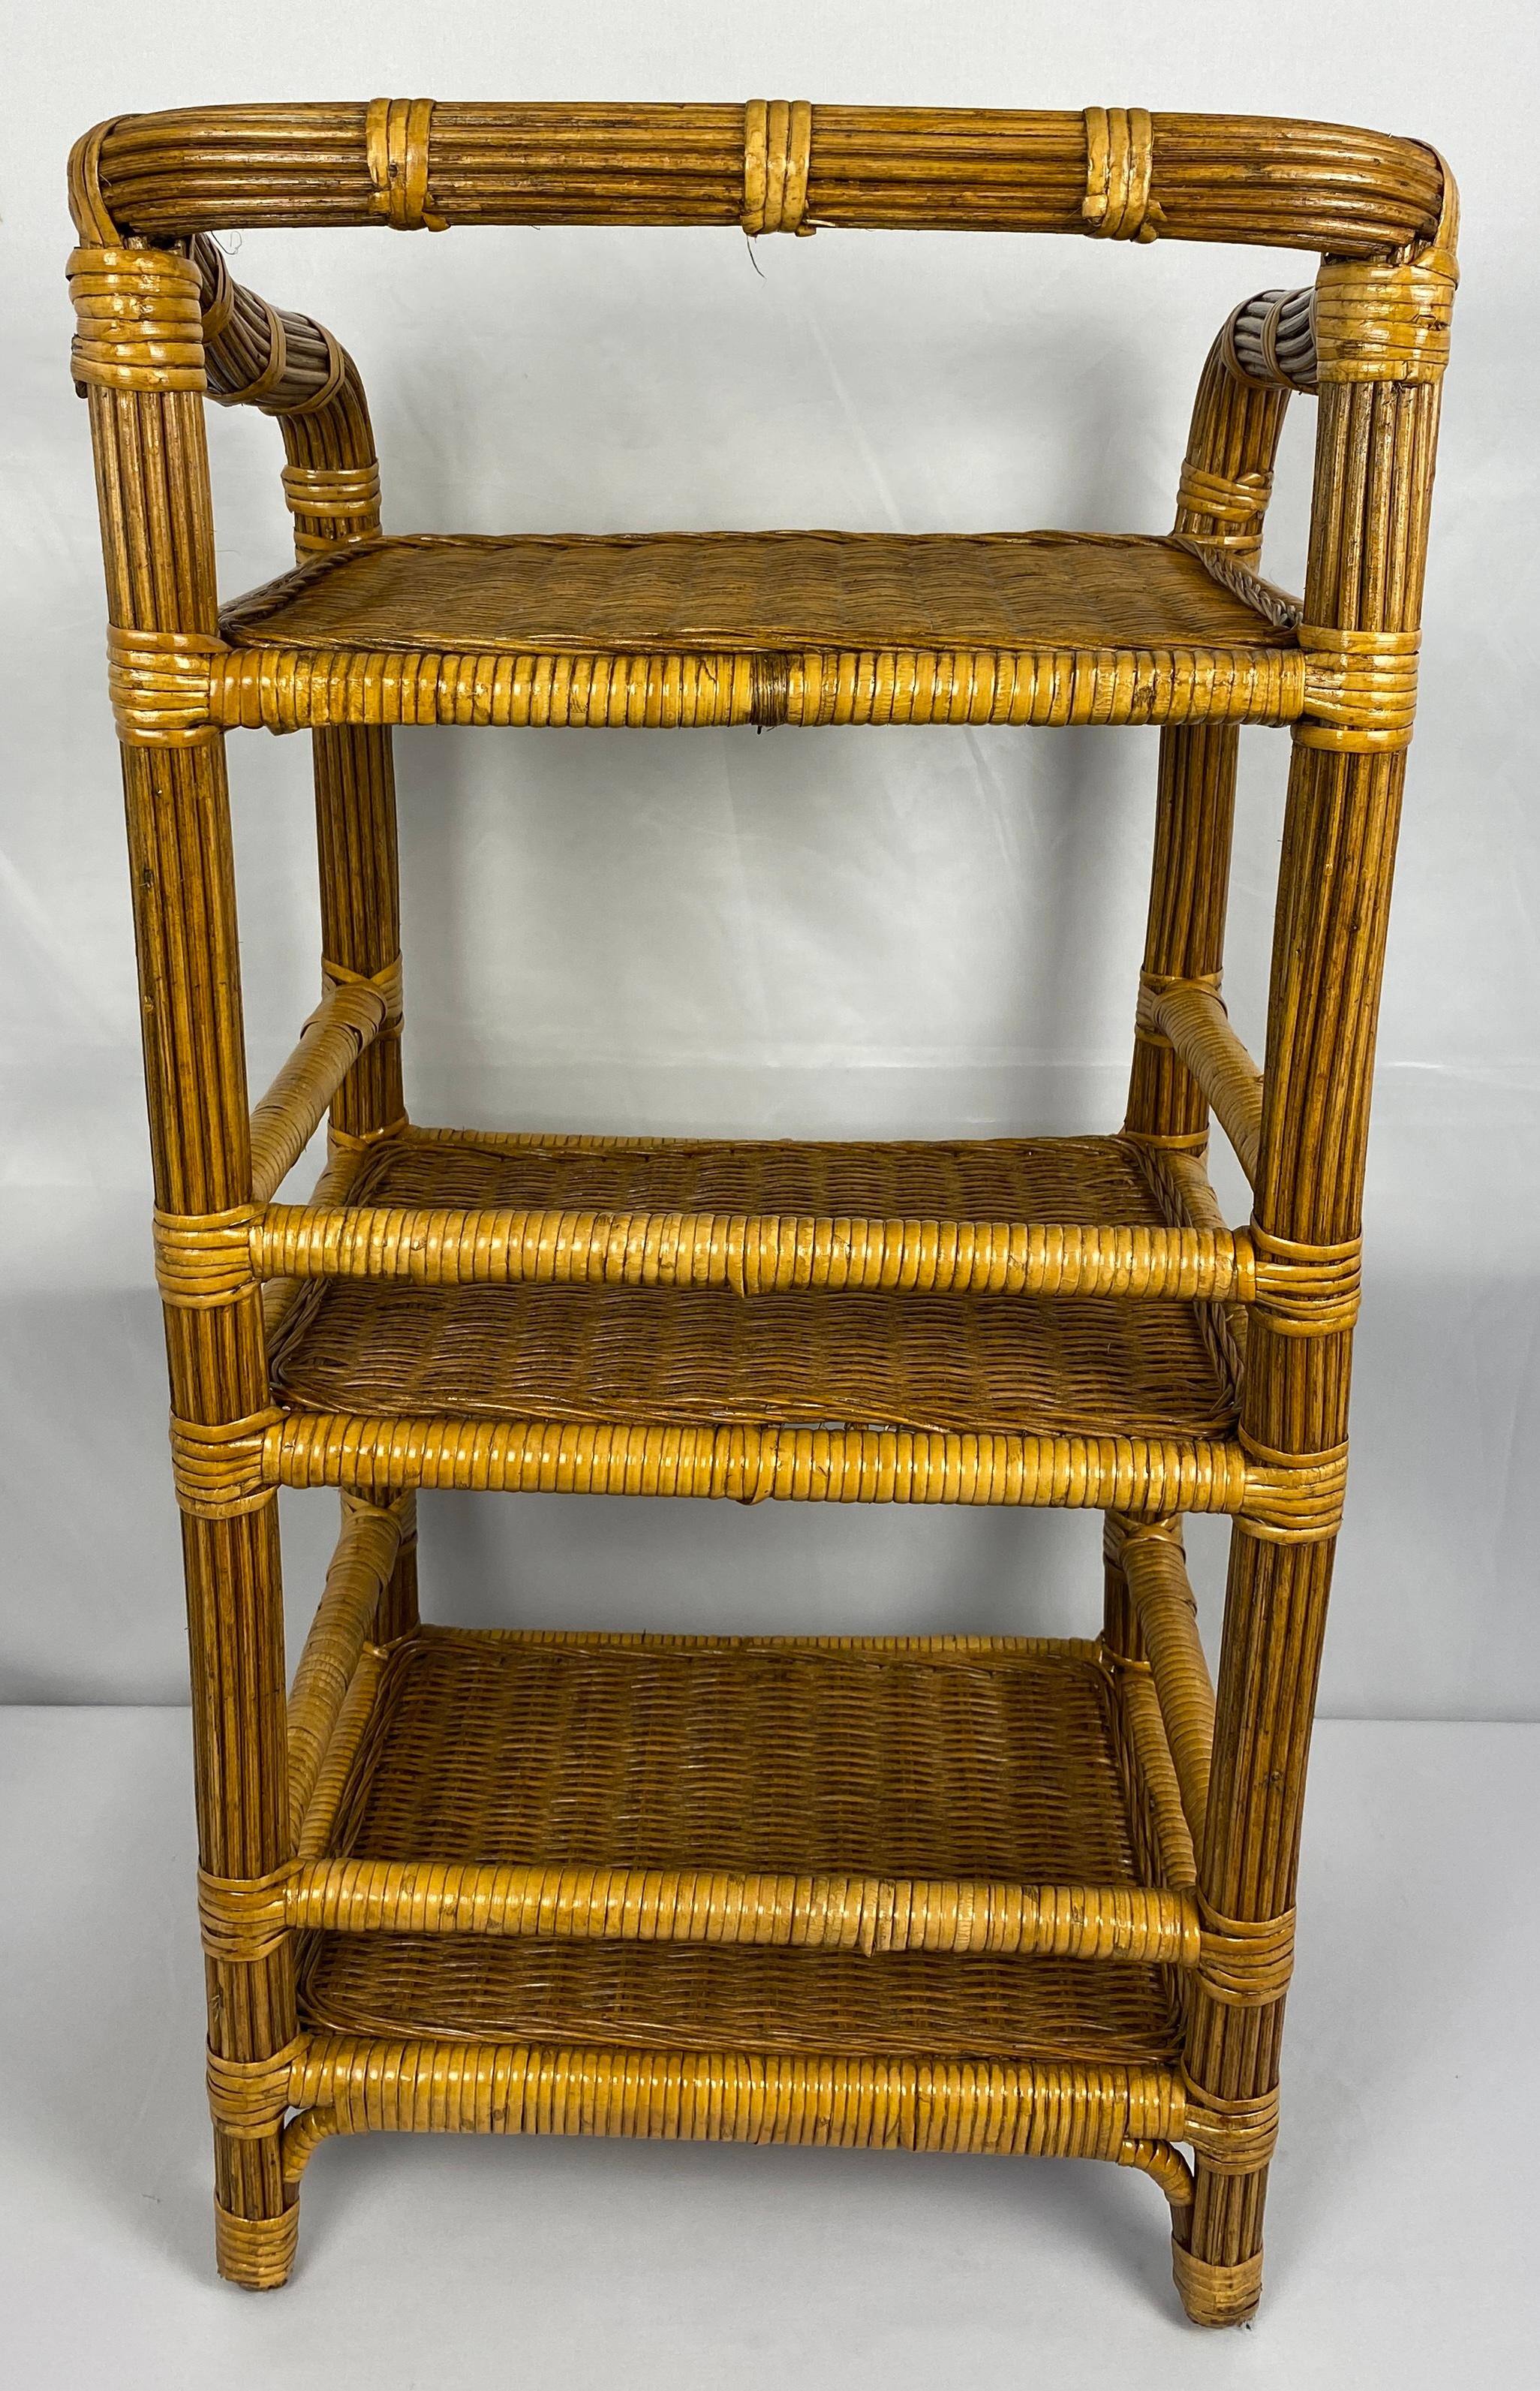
[[976, 1894]]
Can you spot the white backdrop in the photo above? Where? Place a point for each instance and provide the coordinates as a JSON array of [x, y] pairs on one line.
[[889, 932]]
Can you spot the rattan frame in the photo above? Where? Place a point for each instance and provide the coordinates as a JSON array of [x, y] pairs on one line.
[[1215, 1773]]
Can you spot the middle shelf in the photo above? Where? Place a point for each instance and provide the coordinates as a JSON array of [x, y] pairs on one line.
[[701, 1363]]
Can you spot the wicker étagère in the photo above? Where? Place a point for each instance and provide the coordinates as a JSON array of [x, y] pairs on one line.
[[947, 1894]]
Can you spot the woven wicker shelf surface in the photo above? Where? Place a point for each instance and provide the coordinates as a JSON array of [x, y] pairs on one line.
[[975, 1759], [1086, 1179], [686, 1357], [752, 590], [668, 1996]]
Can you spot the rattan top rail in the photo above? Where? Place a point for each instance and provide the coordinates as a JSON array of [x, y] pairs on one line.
[[770, 166]]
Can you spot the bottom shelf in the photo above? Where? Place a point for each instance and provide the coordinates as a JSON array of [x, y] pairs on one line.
[[677, 1998], [958, 1771]]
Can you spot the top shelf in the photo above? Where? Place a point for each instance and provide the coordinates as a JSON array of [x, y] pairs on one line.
[[679, 630]]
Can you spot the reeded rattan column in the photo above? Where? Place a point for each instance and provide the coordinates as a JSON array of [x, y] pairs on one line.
[[1222, 499], [1381, 337], [139, 357], [331, 482], [292, 369], [1221, 503]]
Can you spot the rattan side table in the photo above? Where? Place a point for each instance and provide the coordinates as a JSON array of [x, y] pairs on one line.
[[952, 1893]]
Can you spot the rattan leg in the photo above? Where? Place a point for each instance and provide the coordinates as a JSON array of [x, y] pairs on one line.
[[179, 844], [234, 1612], [1275, 1622]]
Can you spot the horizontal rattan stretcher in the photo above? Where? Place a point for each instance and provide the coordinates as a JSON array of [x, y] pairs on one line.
[[768, 627], [1058, 1216], [841, 1813]]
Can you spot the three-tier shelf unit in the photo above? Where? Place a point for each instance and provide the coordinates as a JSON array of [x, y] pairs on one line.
[[949, 1893]]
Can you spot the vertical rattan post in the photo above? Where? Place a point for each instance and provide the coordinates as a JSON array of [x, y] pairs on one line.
[[1120, 1627], [1381, 336], [138, 357], [1226, 479], [332, 485]]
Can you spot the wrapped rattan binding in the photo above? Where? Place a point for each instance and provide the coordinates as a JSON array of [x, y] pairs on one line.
[[1216, 2295], [220, 1471], [1376, 320], [259, 355], [1361, 688], [138, 324], [1233, 2137], [1246, 1963], [257, 2252], [1270, 339], [396, 135], [777, 146], [332, 503], [1120, 162], [248, 2097], [205, 1262]]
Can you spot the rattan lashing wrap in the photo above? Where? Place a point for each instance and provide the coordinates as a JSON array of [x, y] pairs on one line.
[[395, 138], [138, 324], [1120, 165], [777, 139], [256, 2250]]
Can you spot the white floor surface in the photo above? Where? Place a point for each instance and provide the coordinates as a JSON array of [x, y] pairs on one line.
[[1403, 2234]]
